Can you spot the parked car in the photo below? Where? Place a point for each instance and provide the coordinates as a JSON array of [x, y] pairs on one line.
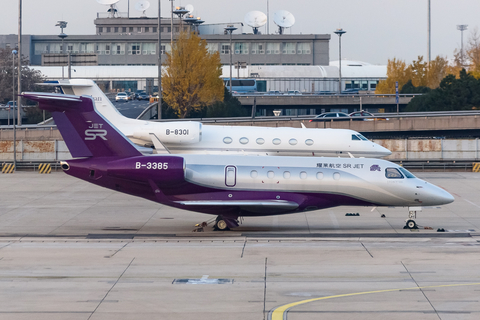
[[293, 93], [121, 96], [327, 116], [143, 96], [362, 113], [273, 93]]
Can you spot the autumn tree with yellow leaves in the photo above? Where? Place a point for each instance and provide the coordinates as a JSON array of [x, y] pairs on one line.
[[191, 79], [420, 73]]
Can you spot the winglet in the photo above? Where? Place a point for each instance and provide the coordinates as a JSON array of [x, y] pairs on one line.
[[159, 146], [303, 126]]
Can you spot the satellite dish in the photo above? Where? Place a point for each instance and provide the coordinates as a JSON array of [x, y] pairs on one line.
[[142, 6], [107, 2], [189, 7], [255, 19], [283, 19], [112, 10]]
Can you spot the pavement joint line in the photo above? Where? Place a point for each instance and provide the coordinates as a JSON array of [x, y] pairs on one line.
[[243, 249], [366, 249], [421, 290], [280, 313], [118, 279]]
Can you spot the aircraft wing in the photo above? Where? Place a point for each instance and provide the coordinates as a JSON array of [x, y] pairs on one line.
[[247, 205]]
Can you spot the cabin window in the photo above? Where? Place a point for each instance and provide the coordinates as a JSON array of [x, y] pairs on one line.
[[243, 140], [227, 140], [319, 175], [293, 142], [260, 141], [407, 173], [309, 142], [276, 141], [355, 137], [270, 174], [254, 174], [303, 175], [286, 175], [393, 173], [336, 176]]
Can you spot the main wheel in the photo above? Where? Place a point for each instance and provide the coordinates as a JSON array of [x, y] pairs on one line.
[[221, 225], [411, 224]]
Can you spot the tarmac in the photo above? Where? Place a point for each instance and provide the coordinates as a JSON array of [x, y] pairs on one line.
[[72, 250]]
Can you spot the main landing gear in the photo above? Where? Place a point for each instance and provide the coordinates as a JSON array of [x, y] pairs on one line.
[[221, 224], [412, 215]]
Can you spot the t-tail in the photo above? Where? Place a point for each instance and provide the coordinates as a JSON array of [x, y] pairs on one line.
[[86, 132]]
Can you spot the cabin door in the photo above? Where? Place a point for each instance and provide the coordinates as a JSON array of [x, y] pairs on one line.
[[230, 176]]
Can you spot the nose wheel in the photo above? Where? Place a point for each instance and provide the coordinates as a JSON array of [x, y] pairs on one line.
[[410, 222]]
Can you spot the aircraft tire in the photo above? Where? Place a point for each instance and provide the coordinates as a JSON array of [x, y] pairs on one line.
[[411, 224], [221, 225]]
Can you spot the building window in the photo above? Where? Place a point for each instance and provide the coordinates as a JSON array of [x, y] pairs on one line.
[[177, 29], [100, 29], [87, 48], [241, 48], [149, 48], [130, 29], [154, 29], [116, 29], [124, 29], [139, 29], [304, 48], [41, 48], [273, 48], [147, 29], [118, 48], [225, 48], [166, 48], [134, 48], [109, 29], [212, 47], [288, 47], [103, 48], [169, 29], [258, 48]]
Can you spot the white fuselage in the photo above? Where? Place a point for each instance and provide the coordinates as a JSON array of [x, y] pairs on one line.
[[184, 137]]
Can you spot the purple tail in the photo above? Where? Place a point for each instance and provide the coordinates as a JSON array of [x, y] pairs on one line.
[[86, 132]]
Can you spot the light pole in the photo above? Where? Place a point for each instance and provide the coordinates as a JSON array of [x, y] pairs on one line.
[[62, 25], [339, 33], [462, 27], [14, 53], [159, 29], [171, 23], [230, 29], [429, 23]]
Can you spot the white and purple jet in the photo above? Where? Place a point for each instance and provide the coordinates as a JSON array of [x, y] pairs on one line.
[[228, 186]]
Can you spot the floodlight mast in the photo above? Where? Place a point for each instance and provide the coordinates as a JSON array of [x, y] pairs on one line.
[[62, 35], [339, 32], [159, 30], [14, 53], [230, 29], [462, 27]]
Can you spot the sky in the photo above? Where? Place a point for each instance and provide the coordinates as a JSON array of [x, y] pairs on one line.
[[377, 30]]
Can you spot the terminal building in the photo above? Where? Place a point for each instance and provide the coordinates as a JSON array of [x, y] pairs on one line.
[[123, 55]]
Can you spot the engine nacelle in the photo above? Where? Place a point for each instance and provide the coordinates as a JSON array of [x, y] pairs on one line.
[[175, 132]]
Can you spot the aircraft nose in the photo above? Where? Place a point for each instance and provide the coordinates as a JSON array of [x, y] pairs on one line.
[[437, 196], [384, 152]]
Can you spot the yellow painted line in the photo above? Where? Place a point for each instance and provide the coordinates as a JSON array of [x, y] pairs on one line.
[[279, 313]]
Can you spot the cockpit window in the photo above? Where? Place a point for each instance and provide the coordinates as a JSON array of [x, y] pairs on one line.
[[393, 173], [407, 173], [354, 137], [362, 137]]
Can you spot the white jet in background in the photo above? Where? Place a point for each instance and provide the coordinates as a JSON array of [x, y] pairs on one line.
[[194, 137]]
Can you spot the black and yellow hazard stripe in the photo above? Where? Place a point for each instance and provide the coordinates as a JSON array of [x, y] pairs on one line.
[[45, 168], [476, 167], [8, 168]]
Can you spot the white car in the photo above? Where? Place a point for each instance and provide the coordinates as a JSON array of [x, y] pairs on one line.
[[121, 96]]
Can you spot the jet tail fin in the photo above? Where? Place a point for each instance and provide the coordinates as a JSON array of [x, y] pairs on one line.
[[159, 146], [85, 131]]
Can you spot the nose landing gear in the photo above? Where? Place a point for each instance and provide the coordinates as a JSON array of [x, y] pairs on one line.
[[412, 215]]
